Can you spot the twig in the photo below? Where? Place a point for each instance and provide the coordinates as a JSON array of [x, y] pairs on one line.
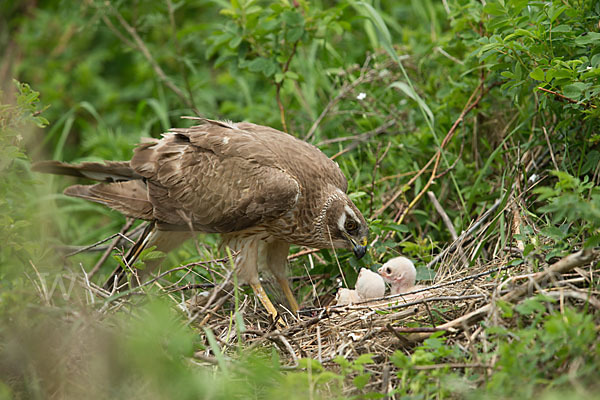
[[385, 381], [401, 338], [91, 246], [110, 248], [562, 266], [378, 161], [550, 148], [279, 84], [346, 88], [563, 97], [365, 137], [181, 65], [448, 223], [449, 365], [144, 49], [403, 329], [466, 233], [575, 294], [302, 253], [471, 103]]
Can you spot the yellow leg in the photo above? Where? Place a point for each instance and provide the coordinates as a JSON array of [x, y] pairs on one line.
[[285, 285], [264, 299]]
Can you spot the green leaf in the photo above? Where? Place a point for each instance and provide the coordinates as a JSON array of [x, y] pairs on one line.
[[214, 346], [425, 274], [588, 38], [294, 34], [592, 242], [326, 377], [314, 365], [366, 358], [553, 233], [537, 74], [494, 9], [533, 305], [409, 91], [574, 90], [361, 381], [235, 42], [397, 227]]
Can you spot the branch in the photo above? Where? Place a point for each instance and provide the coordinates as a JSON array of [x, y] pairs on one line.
[[280, 83], [562, 266], [568, 99], [437, 156], [139, 43]]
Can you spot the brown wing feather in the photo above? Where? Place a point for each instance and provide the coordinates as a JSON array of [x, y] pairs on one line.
[[213, 191], [128, 198]]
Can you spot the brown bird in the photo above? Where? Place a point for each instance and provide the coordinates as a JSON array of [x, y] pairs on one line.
[[401, 274], [260, 188]]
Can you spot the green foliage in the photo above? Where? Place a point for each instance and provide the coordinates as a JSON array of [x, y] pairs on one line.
[[407, 66], [558, 348], [435, 382], [18, 234]]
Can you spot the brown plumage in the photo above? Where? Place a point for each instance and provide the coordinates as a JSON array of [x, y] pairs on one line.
[[262, 189]]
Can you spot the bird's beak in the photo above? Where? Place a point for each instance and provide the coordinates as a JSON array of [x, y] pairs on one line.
[[359, 249]]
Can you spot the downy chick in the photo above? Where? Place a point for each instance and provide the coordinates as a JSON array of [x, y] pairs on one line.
[[346, 296], [401, 274], [369, 285]]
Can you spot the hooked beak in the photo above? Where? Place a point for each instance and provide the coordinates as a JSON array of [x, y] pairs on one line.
[[359, 249]]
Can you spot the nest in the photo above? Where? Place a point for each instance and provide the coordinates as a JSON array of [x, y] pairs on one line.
[[454, 306]]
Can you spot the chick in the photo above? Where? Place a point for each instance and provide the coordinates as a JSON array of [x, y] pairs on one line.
[[346, 296], [401, 274], [369, 284]]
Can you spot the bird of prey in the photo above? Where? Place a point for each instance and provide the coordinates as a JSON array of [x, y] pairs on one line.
[[260, 188]]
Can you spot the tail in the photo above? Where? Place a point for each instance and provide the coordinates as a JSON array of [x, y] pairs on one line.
[[107, 171], [163, 241], [122, 188]]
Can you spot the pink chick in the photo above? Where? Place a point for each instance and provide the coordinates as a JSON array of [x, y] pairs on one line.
[[401, 274]]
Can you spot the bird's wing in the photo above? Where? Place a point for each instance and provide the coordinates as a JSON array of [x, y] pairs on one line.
[[214, 178], [312, 165]]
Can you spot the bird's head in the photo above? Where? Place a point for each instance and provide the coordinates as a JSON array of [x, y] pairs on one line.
[[345, 225], [399, 271]]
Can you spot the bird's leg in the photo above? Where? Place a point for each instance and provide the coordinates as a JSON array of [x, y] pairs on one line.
[[264, 299], [285, 286], [276, 261], [246, 264]]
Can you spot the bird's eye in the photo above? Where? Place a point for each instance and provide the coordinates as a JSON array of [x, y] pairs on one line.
[[350, 225], [388, 270]]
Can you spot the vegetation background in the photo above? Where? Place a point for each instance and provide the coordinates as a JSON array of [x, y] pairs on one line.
[[453, 96]]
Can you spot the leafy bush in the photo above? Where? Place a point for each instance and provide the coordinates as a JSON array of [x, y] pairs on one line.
[[505, 94]]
